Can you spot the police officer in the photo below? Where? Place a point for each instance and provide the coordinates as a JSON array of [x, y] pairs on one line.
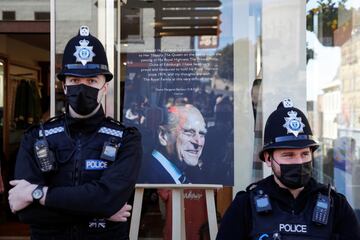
[[289, 204], [75, 173]]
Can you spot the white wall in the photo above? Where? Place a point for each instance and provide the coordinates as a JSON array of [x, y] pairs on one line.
[[243, 118], [284, 54], [69, 18], [25, 9]]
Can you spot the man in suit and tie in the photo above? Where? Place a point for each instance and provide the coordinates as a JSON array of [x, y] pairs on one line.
[[176, 158]]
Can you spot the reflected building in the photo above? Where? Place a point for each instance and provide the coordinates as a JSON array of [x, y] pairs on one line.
[[346, 147], [330, 105], [349, 76], [334, 109]]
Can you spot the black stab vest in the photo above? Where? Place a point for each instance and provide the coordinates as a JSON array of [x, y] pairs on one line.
[[288, 226]]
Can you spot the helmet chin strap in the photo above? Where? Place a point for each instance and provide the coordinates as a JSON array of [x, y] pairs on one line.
[[74, 114]]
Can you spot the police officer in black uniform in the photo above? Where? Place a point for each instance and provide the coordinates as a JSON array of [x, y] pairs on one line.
[[75, 173], [289, 204]]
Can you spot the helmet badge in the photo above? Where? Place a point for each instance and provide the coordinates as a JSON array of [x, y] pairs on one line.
[[84, 53], [293, 123], [287, 103], [84, 31]]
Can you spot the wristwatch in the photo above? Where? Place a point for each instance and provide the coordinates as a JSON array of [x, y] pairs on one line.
[[38, 193]]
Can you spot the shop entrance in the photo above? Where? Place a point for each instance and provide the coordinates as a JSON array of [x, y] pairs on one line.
[[24, 101]]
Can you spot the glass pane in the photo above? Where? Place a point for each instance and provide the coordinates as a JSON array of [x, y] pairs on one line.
[[2, 73], [130, 17], [177, 54], [255, 61], [333, 51], [2, 142], [68, 21], [178, 57], [24, 93]]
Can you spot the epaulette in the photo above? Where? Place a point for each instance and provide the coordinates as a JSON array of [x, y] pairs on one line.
[[37, 125], [32, 127], [110, 129], [55, 118], [327, 189], [112, 120], [131, 129], [251, 187], [240, 193]]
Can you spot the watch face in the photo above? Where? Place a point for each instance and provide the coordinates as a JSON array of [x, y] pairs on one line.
[[37, 194]]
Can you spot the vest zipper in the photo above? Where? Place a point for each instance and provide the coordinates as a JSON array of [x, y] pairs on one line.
[[77, 177]]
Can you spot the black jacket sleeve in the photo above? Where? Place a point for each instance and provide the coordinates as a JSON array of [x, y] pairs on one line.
[[107, 195], [236, 223], [27, 168], [40, 215], [346, 225]]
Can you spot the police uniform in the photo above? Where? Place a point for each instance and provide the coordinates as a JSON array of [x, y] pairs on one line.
[[97, 161], [267, 211], [241, 221]]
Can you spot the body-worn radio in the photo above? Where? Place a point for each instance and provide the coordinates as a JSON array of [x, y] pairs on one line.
[[44, 156], [321, 210]]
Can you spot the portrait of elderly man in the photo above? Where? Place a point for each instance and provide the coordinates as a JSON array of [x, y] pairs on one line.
[[180, 142]]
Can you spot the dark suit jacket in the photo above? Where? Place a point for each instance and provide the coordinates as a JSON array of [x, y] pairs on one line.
[[153, 172]]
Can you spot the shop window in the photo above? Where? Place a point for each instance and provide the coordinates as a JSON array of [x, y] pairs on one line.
[[8, 15], [338, 158], [130, 25], [42, 15]]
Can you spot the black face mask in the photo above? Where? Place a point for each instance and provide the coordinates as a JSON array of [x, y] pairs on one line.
[[295, 176], [82, 98]]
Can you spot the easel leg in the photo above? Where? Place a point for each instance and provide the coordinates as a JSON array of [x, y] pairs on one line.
[[135, 218], [211, 212], [178, 219], [183, 231]]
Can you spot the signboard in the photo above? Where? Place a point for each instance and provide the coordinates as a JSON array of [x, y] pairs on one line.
[[180, 96]]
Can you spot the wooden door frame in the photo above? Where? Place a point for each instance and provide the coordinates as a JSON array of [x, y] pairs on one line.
[[6, 124]]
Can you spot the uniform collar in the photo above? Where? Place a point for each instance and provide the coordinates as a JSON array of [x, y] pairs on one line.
[[87, 125], [284, 197]]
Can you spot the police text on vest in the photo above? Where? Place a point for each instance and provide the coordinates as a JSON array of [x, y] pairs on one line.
[[94, 164], [293, 228]]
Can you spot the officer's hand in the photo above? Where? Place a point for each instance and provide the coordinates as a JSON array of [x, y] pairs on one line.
[[122, 214], [20, 195]]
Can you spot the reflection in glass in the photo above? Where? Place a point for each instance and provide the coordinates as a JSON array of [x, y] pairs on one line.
[[2, 157], [180, 53], [68, 21], [333, 51], [1, 86], [19, 10], [185, 57], [256, 93]]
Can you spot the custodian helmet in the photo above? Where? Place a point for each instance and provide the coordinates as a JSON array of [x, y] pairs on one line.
[[84, 56], [287, 127]]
